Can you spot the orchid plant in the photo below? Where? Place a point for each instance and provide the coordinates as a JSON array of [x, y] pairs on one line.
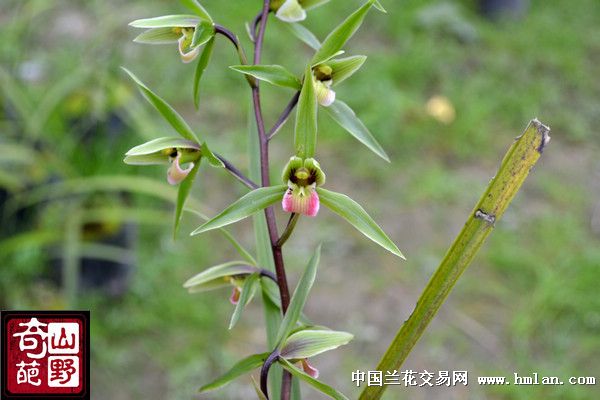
[[292, 339]]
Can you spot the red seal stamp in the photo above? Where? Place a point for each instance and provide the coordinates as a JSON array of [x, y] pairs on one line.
[[45, 355]]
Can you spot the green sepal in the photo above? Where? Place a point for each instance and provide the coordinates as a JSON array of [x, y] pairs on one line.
[[309, 343], [167, 21], [158, 151], [217, 277], [344, 68], [158, 36]]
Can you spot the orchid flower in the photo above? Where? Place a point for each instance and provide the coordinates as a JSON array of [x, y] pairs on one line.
[[175, 152], [232, 274], [332, 72], [189, 31], [302, 178]]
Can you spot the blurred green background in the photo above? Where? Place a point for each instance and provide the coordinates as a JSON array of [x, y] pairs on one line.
[[445, 90]]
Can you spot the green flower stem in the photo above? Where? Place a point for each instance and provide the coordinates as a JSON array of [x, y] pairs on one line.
[[515, 167], [288, 229]]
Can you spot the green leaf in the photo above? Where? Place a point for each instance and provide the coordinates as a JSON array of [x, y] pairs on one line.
[[343, 68], [340, 35], [358, 217], [309, 343], [167, 21], [242, 367], [299, 298], [378, 6], [201, 67], [305, 132], [195, 6], [158, 36], [259, 392], [204, 31], [182, 195], [168, 113], [250, 285], [274, 74], [247, 205], [302, 33], [320, 386], [347, 119], [213, 277]]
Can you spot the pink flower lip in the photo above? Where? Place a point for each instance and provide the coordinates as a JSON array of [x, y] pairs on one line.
[[176, 174], [235, 296], [309, 369], [301, 200]]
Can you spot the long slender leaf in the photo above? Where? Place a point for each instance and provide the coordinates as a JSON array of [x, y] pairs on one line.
[[320, 386], [195, 6], [347, 119], [248, 290], [305, 131], [252, 202], [201, 67], [242, 367], [168, 112], [182, 195], [302, 33], [274, 74], [299, 298], [341, 34], [309, 343], [352, 212]]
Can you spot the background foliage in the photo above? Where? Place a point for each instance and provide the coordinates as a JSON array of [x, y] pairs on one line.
[[527, 304]]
